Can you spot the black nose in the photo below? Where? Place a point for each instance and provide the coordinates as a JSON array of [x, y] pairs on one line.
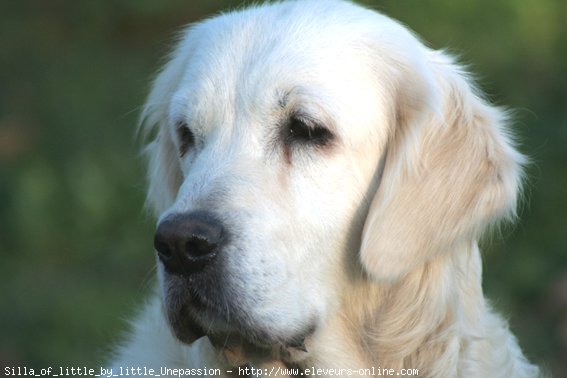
[[186, 243]]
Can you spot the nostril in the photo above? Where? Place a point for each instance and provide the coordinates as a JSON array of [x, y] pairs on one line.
[[162, 248], [197, 247]]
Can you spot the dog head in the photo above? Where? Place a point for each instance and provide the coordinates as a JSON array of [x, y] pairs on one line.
[[302, 147]]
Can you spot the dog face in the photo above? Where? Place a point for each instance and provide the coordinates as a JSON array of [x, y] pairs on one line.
[[277, 147], [277, 128]]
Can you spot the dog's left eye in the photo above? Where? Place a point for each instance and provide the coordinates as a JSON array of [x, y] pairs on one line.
[[300, 131]]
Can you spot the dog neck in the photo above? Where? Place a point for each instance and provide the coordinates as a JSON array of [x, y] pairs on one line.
[[412, 323]]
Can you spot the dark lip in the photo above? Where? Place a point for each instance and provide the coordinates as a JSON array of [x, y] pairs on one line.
[[196, 303], [255, 340], [203, 308], [202, 312]]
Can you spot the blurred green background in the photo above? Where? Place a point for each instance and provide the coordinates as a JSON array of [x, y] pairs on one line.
[[76, 255]]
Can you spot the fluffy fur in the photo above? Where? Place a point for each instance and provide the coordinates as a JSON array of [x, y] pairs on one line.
[[363, 246]]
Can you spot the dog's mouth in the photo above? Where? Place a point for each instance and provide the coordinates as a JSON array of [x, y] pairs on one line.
[[193, 314], [239, 349]]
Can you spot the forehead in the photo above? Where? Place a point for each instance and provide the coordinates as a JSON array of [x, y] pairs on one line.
[[248, 63]]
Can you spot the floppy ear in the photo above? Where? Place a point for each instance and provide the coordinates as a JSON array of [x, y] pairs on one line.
[[448, 174], [164, 172]]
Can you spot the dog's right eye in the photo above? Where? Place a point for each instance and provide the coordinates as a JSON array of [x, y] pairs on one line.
[[186, 138]]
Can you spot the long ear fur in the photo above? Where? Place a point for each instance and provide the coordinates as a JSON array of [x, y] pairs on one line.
[[164, 173], [446, 177]]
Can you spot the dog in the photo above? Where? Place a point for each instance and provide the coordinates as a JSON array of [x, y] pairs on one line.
[[321, 181]]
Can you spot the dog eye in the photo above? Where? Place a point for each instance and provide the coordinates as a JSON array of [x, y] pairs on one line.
[[186, 138], [300, 131]]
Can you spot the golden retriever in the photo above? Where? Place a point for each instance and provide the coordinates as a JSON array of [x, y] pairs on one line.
[[322, 180]]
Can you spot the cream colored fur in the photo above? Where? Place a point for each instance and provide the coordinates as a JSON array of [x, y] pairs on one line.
[[375, 237]]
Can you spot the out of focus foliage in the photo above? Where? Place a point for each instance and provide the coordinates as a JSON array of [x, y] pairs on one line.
[[75, 242]]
